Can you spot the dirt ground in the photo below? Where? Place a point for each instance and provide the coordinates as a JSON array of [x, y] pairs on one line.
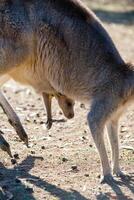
[[62, 163]]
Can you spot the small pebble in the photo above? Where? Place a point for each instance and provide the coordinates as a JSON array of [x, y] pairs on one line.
[[32, 152], [84, 138], [24, 108], [74, 167], [87, 175], [34, 121], [41, 158], [13, 161], [38, 115], [16, 156], [64, 159], [99, 176]]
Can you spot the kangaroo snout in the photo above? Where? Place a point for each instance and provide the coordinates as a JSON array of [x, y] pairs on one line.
[[70, 115]]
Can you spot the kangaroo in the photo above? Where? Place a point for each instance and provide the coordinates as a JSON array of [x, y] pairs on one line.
[[64, 102], [60, 45]]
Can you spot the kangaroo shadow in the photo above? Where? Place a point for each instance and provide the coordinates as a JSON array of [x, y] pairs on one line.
[[11, 182], [118, 193], [126, 18]]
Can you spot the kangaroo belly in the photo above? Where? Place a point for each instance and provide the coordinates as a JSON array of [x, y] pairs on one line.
[[25, 74]]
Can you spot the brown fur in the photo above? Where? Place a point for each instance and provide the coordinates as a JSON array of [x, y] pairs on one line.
[[60, 46]]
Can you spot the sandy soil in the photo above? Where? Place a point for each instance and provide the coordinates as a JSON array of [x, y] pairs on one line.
[[62, 163]]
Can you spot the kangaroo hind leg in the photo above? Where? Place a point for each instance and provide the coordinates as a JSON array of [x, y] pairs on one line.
[[97, 117]]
